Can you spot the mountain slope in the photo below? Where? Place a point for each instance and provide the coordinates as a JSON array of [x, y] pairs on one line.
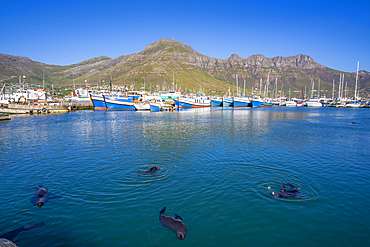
[[167, 64]]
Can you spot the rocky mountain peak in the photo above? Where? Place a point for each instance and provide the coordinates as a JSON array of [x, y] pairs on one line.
[[168, 44]]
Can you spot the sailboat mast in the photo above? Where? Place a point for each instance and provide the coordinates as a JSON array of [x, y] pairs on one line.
[[267, 83], [340, 82], [260, 85], [43, 79], [312, 82], [333, 89], [276, 88], [358, 64], [244, 89]]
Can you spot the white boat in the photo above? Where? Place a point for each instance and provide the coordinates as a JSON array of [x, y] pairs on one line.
[[290, 103], [353, 105], [313, 103], [80, 95]]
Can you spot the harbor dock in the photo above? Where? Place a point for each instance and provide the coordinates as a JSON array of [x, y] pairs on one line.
[[4, 117], [44, 109]]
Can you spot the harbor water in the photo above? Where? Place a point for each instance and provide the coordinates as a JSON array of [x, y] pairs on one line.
[[218, 169]]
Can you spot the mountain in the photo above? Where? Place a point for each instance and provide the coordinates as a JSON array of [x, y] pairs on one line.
[[167, 64]]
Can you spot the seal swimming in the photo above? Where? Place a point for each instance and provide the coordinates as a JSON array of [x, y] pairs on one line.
[[291, 192], [41, 196], [152, 170], [12, 234], [175, 224]]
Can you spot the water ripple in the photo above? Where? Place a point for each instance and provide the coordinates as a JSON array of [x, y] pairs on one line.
[[264, 180]]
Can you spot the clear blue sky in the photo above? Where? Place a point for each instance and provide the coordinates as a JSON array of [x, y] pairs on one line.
[[335, 33]]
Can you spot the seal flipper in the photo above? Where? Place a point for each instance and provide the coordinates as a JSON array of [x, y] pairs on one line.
[[53, 197], [178, 217], [12, 234], [34, 225], [162, 210]]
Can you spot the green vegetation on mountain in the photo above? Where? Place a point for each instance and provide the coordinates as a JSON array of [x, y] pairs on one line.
[[169, 64]]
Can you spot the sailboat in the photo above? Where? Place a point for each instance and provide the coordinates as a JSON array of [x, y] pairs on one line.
[[313, 102], [356, 103]]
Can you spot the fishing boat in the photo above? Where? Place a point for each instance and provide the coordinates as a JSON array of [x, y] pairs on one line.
[[142, 106], [227, 100], [156, 104], [197, 102], [119, 103], [216, 101], [257, 102], [242, 102], [170, 95], [80, 95], [98, 102]]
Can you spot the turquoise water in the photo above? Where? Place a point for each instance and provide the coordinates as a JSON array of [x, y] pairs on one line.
[[219, 167]]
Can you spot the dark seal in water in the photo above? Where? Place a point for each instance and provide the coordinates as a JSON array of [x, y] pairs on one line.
[[12, 234], [41, 196], [175, 224], [285, 193], [152, 170]]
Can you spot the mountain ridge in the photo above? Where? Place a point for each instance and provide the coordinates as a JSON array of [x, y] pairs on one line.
[[166, 61]]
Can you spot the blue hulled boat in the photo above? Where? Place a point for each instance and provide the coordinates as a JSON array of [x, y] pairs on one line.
[[197, 102], [119, 103], [242, 102], [216, 102], [98, 102], [227, 101]]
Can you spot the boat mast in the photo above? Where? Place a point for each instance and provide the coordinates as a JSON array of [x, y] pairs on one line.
[[342, 84], [267, 83], [260, 86], [281, 93], [333, 89], [358, 64], [244, 89], [43, 80], [237, 86], [313, 83], [276, 88], [340, 81]]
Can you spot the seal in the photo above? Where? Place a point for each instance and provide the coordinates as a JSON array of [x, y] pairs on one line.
[[175, 224], [41, 196], [152, 170], [285, 193], [12, 234]]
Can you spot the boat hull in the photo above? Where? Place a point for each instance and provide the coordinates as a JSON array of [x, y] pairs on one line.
[[192, 103], [256, 103], [216, 102], [228, 102], [98, 102], [119, 104], [155, 107], [242, 102]]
